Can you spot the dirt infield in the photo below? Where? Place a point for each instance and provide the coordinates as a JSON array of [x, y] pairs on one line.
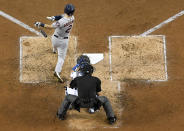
[[38, 61], [138, 57], [148, 106]]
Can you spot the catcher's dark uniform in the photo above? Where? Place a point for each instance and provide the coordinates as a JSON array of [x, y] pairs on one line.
[[88, 87]]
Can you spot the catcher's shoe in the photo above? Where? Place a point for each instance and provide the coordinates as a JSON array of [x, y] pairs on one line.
[[56, 74], [112, 119]]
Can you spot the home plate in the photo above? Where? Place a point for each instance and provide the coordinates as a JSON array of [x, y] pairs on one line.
[[95, 57]]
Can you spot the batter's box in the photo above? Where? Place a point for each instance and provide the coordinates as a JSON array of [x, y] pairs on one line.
[[37, 61], [138, 57]]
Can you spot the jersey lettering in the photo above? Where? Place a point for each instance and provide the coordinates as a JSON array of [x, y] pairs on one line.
[[69, 23], [69, 28]]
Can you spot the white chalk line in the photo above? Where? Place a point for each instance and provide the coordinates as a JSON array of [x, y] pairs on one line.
[[110, 57], [165, 57], [163, 23], [19, 23], [20, 43], [122, 36], [118, 82]]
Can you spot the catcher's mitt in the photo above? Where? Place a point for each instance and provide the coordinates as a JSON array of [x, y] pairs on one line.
[[83, 59]]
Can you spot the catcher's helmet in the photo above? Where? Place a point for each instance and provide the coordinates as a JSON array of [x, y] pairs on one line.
[[69, 9], [83, 59], [86, 69]]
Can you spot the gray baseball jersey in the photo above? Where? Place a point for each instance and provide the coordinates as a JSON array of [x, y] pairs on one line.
[[60, 39], [63, 26]]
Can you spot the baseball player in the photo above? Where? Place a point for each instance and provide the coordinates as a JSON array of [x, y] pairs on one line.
[[62, 25]]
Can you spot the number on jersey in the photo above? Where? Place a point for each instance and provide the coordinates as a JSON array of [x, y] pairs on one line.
[[69, 28]]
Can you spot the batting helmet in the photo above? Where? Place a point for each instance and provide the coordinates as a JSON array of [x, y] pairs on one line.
[[69, 9]]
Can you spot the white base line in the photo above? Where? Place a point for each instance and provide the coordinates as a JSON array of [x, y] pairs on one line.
[[163, 23], [165, 56], [110, 56], [20, 41], [19, 23], [165, 60]]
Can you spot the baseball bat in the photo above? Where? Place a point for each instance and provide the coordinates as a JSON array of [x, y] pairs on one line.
[[43, 33]]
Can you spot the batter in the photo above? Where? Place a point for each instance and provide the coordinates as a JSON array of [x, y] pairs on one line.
[[62, 26]]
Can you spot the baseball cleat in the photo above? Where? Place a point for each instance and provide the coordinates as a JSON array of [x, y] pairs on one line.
[[56, 74], [54, 51]]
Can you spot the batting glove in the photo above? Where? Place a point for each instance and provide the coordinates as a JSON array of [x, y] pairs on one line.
[[51, 18], [39, 24]]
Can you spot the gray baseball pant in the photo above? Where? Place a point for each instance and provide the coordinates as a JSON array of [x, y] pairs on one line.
[[61, 45]]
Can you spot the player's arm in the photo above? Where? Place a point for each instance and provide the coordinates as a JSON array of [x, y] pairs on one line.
[[48, 26], [40, 24], [52, 26], [54, 18]]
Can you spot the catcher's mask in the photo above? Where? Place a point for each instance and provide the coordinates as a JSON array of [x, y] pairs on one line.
[[69, 9]]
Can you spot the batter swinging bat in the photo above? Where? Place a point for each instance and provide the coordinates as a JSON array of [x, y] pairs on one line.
[[37, 24]]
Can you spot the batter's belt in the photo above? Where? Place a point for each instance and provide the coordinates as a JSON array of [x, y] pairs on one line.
[[60, 37]]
